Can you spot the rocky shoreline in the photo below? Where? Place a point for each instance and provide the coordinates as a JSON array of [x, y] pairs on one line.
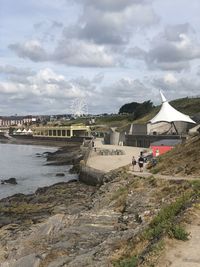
[[77, 225], [74, 224]]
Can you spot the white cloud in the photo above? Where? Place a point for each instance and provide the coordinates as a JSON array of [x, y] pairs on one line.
[[31, 49], [81, 53], [170, 78], [177, 87], [173, 49], [112, 22], [67, 52], [63, 53], [95, 39]]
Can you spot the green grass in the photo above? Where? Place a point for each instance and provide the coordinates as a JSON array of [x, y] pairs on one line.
[[120, 192], [196, 187], [22, 208], [179, 233], [132, 262], [155, 170], [164, 222]]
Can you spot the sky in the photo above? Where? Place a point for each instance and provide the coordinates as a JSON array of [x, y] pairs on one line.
[[102, 53]]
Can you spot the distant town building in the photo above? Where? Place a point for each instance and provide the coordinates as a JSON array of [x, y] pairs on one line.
[[8, 121]]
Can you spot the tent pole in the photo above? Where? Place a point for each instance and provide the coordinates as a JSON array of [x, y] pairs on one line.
[[175, 127]]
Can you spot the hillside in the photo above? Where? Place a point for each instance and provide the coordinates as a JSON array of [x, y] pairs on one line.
[[189, 106], [183, 160]]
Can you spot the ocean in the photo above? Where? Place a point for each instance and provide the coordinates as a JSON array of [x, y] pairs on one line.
[[21, 162]]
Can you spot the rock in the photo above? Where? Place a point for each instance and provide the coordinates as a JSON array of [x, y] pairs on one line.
[[9, 181], [29, 260], [60, 174], [38, 155], [73, 181], [178, 169]]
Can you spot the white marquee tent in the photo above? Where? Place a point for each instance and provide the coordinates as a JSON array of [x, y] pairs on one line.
[[169, 114]]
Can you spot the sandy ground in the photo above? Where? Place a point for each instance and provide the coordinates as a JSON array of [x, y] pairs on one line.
[[107, 163], [184, 253]]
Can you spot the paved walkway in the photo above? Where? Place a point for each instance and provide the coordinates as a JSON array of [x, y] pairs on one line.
[[106, 163], [109, 162]]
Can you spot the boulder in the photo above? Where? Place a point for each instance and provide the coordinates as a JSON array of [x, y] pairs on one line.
[[9, 181], [60, 174]]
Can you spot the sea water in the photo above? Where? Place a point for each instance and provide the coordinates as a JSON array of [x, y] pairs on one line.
[[30, 171]]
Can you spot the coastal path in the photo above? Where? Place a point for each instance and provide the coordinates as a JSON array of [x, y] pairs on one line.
[[110, 157]]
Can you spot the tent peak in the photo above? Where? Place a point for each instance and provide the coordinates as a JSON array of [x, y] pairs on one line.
[[162, 97], [169, 114]]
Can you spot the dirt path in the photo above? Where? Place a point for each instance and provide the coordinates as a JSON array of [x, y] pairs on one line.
[[147, 174], [184, 254]]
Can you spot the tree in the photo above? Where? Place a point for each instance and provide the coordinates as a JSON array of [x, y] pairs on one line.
[[129, 108], [137, 109], [143, 109]]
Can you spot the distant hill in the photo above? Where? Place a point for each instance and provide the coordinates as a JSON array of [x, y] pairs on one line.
[[189, 106]]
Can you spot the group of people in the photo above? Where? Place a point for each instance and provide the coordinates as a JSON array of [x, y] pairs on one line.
[[140, 162]]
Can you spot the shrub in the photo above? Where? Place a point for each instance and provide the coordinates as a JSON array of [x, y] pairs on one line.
[[163, 222], [132, 262], [154, 171], [179, 233]]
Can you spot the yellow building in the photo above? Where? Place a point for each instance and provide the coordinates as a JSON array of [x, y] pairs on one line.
[[62, 132]]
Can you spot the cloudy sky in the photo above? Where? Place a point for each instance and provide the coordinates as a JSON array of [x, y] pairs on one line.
[[105, 52]]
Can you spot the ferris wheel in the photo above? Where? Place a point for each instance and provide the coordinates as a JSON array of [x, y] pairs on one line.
[[79, 107]]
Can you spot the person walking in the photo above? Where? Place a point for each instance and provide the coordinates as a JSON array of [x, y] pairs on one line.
[[133, 162], [141, 162]]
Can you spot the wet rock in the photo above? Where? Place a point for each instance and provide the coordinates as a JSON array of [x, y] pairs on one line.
[[38, 155], [60, 174], [9, 181], [73, 181]]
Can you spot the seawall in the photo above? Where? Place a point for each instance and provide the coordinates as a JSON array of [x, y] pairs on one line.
[[91, 176]]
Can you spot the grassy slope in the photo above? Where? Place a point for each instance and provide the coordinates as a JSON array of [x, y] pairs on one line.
[[184, 159], [176, 198], [190, 106]]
